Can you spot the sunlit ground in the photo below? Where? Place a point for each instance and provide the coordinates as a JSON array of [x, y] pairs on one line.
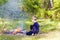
[[54, 35]]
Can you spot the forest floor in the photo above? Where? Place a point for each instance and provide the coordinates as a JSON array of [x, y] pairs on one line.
[[54, 35]]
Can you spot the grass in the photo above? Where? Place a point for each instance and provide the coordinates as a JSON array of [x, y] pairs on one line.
[[45, 26]]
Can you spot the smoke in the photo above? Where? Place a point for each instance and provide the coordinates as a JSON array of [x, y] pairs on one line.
[[11, 10]]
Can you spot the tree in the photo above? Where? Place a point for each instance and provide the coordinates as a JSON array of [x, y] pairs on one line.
[[47, 4], [50, 4], [31, 6]]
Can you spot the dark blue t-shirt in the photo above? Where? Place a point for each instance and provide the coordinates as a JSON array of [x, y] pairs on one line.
[[35, 27]]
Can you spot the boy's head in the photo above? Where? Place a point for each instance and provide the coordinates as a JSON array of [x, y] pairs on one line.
[[34, 18]]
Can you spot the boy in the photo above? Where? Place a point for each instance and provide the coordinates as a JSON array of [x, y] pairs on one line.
[[34, 29]]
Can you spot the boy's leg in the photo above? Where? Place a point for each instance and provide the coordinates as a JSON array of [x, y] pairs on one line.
[[29, 33]]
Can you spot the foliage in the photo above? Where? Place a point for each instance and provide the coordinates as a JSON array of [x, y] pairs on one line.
[[7, 24], [2, 2], [35, 7], [46, 25], [32, 6]]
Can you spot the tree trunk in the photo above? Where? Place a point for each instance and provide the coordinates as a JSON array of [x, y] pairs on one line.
[[50, 4]]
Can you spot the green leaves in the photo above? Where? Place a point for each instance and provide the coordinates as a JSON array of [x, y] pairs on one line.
[[2, 2], [43, 8], [32, 6]]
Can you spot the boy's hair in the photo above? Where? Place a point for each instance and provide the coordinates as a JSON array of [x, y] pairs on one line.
[[34, 17]]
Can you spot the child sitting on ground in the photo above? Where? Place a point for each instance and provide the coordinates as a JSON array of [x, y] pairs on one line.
[[34, 29]]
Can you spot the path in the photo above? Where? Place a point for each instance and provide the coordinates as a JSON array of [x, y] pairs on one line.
[[55, 35]]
